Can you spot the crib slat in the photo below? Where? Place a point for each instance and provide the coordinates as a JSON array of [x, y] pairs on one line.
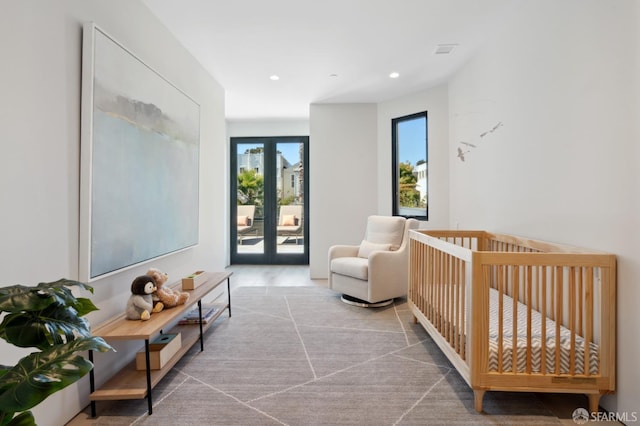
[[456, 311], [501, 290], [416, 270], [543, 326], [436, 300], [572, 320], [559, 304], [450, 286], [552, 308], [463, 307], [417, 251], [580, 329], [515, 287], [537, 289], [444, 285], [445, 302], [432, 275], [422, 272], [449, 282], [447, 293], [413, 274], [428, 268], [423, 282], [528, 289], [427, 281], [457, 302], [432, 285], [441, 293], [454, 298], [588, 335], [438, 283], [422, 287]]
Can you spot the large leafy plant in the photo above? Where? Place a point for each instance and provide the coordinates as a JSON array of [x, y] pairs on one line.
[[47, 317]]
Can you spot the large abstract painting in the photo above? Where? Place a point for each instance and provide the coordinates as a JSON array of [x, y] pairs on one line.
[[140, 156]]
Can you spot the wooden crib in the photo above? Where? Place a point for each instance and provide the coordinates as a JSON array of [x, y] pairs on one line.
[[515, 314]]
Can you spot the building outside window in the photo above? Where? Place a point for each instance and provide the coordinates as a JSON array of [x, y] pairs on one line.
[[410, 166]]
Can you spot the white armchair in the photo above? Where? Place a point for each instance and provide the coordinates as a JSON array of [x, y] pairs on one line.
[[375, 272]]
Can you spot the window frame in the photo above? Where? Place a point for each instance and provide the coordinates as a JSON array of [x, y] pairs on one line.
[[395, 165]]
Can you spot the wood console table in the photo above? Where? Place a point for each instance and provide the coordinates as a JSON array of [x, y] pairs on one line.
[[130, 383]]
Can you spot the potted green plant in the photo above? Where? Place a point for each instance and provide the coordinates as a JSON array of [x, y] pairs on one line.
[[47, 317]]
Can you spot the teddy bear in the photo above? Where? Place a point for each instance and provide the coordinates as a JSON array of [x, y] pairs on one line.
[[166, 295], [140, 304]]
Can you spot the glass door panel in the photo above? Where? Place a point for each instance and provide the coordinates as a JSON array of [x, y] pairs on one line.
[[290, 197], [250, 198]]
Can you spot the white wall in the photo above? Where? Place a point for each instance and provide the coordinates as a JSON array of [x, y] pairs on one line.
[[351, 168], [39, 166], [435, 101], [246, 128], [562, 77], [343, 177]]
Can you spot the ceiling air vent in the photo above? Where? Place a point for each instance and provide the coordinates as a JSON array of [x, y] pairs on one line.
[[444, 49]]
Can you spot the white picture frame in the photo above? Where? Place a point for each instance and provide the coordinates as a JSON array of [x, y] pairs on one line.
[[139, 177]]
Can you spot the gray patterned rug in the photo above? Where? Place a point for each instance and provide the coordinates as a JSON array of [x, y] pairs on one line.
[[299, 356]]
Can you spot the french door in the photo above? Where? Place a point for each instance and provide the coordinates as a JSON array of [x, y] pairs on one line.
[[269, 215]]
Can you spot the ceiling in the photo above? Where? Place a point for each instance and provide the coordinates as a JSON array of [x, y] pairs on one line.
[[330, 51]]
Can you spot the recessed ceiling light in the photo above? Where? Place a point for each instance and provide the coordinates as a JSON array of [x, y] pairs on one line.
[[333, 75], [394, 75], [274, 77], [444, 49]]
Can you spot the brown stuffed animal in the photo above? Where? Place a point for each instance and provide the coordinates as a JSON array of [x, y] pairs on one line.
[[168, 296]]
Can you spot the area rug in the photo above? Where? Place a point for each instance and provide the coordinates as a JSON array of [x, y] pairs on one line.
[[299, 356]]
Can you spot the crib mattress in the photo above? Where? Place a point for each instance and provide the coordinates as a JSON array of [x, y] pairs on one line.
[[536, 342]]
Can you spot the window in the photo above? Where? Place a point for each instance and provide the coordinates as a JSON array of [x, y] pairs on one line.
[[410, 166]]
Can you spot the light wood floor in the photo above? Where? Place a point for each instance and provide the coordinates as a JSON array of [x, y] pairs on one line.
[[272, 275]]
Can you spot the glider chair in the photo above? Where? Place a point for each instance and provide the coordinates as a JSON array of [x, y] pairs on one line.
[[245, 220], [375, 272]]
